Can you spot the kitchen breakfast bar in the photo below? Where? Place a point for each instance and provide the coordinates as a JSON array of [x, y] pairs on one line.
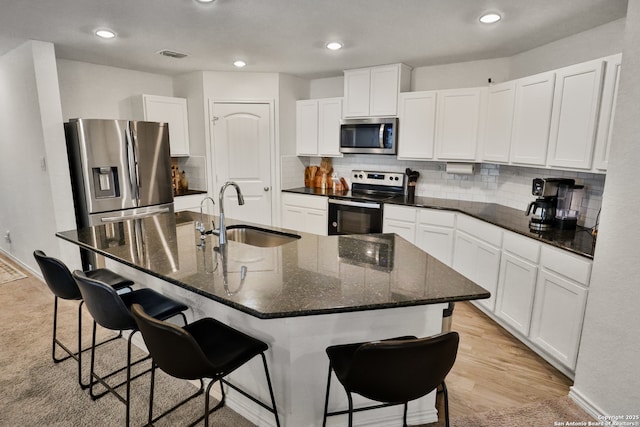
[[298, 292]]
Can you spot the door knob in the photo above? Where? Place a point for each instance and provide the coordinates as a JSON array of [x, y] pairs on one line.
[[266, 188]]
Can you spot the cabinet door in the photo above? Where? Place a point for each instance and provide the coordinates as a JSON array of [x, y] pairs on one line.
[[406, 230], [315, 221], [558, 314], [307, 127], [293, 217], [532, 119], [516, 289], [499, 122], [383, 99], [458, 120], [436, 241], [417, 125], [479, 262], [174, 112], [607, 111], [575, 111], [357, 84], [329, 117]]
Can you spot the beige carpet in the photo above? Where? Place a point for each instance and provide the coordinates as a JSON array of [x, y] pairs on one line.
[[34, 391], [8, 273]]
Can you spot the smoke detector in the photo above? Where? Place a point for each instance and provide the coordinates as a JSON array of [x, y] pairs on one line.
[[172, 54]]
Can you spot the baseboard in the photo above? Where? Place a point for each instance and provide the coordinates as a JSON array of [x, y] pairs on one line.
[[31, 271], [584, 403]]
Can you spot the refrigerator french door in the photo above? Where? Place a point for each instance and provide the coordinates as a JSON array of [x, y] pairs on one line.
[[120, 169]]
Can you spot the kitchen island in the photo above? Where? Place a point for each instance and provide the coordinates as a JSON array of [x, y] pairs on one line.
[[299, 294]]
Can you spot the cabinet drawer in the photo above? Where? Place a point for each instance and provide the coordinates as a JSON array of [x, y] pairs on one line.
[[482, 230], [437, 217], [312, 202], [522, 246], [566, 264], [400, 213]]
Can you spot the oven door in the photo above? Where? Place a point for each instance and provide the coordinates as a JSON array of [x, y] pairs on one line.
[[352, 217]]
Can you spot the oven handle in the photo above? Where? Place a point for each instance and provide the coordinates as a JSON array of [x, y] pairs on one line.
[[356, 204]]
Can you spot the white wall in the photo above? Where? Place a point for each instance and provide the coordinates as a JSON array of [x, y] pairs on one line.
[[608, 370], [460, 75], [330, 87], [34, 185], [191, 87], [100, 92]]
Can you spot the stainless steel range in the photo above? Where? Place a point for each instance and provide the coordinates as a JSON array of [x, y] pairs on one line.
[[360, 210]]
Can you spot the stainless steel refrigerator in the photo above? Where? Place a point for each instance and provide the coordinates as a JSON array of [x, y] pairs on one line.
[[120, 170]]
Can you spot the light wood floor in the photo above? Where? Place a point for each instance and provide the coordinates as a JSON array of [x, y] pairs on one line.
[[494, 370]]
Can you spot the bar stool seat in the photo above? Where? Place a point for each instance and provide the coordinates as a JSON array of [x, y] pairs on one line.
[[62, 284]]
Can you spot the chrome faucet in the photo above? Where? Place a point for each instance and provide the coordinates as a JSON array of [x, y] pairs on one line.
[[223, 229], [200, 225]]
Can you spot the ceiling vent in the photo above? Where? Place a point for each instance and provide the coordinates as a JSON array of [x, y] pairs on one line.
[[172, 54]]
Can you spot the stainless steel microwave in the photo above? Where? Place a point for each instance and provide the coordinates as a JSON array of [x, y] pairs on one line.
[[377, 135]]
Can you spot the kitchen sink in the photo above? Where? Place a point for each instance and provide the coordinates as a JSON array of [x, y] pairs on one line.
[[256, 236]]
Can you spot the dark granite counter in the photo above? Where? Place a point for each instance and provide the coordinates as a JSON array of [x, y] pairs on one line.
[[579, 241], [307, 276]]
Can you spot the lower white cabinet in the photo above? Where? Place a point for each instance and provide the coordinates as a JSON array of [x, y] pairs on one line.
[[560, 301], [435, 233], [305, 213], [477, 253], [400, 220]]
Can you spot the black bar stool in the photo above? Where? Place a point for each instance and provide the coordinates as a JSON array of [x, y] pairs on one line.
[[393, 371], [111, 311], [205, 348], [60, 281]]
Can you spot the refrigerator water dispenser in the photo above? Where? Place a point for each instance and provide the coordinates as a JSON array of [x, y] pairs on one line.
[[105, 182]]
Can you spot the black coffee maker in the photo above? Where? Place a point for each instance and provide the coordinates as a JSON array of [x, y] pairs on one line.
[[543, 209]]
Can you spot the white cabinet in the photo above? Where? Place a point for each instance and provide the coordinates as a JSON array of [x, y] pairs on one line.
[[318, 127], [607, 111], [458, 123], [517, 283], [499, 122], [477, 254], [417, 125], [532, 119], [305, 213], [174, 112], [400, 220], [435, 233], [560, 301], [576, 104], [374, 91]]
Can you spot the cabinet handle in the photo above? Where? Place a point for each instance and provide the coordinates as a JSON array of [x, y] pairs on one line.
[[266, 188]]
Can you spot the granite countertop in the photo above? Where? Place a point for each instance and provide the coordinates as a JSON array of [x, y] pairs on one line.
[[308, 276], [579, 241]]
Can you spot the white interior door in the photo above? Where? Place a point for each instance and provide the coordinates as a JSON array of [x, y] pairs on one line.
[[242, 140]]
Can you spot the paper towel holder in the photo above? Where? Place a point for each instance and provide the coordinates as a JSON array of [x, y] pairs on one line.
[[460, 168]]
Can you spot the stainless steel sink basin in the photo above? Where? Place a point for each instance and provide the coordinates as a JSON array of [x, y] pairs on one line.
[[260, 237]]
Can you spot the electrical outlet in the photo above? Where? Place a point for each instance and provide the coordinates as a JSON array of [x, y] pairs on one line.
[[7, 237]]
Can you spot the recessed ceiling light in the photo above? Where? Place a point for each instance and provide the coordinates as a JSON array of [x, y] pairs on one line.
[[490, 18], [105, 34], [239, 63], [334, 46]]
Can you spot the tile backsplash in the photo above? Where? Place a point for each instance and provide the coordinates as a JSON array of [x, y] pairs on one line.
[[503, 184]]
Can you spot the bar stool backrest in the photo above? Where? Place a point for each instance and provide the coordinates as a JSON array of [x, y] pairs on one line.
[[172, 348], [57, 276], [104, 303], [401, 370]]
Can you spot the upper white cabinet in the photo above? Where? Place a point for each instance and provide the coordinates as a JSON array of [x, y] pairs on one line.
[[458, 123], [607, 111], [417, 118], [374, 91], [575, 111], [499, 122], [532, 119], [318, 127], [174, 112]]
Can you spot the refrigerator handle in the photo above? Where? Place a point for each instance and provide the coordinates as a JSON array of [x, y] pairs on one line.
[[132, 163]]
